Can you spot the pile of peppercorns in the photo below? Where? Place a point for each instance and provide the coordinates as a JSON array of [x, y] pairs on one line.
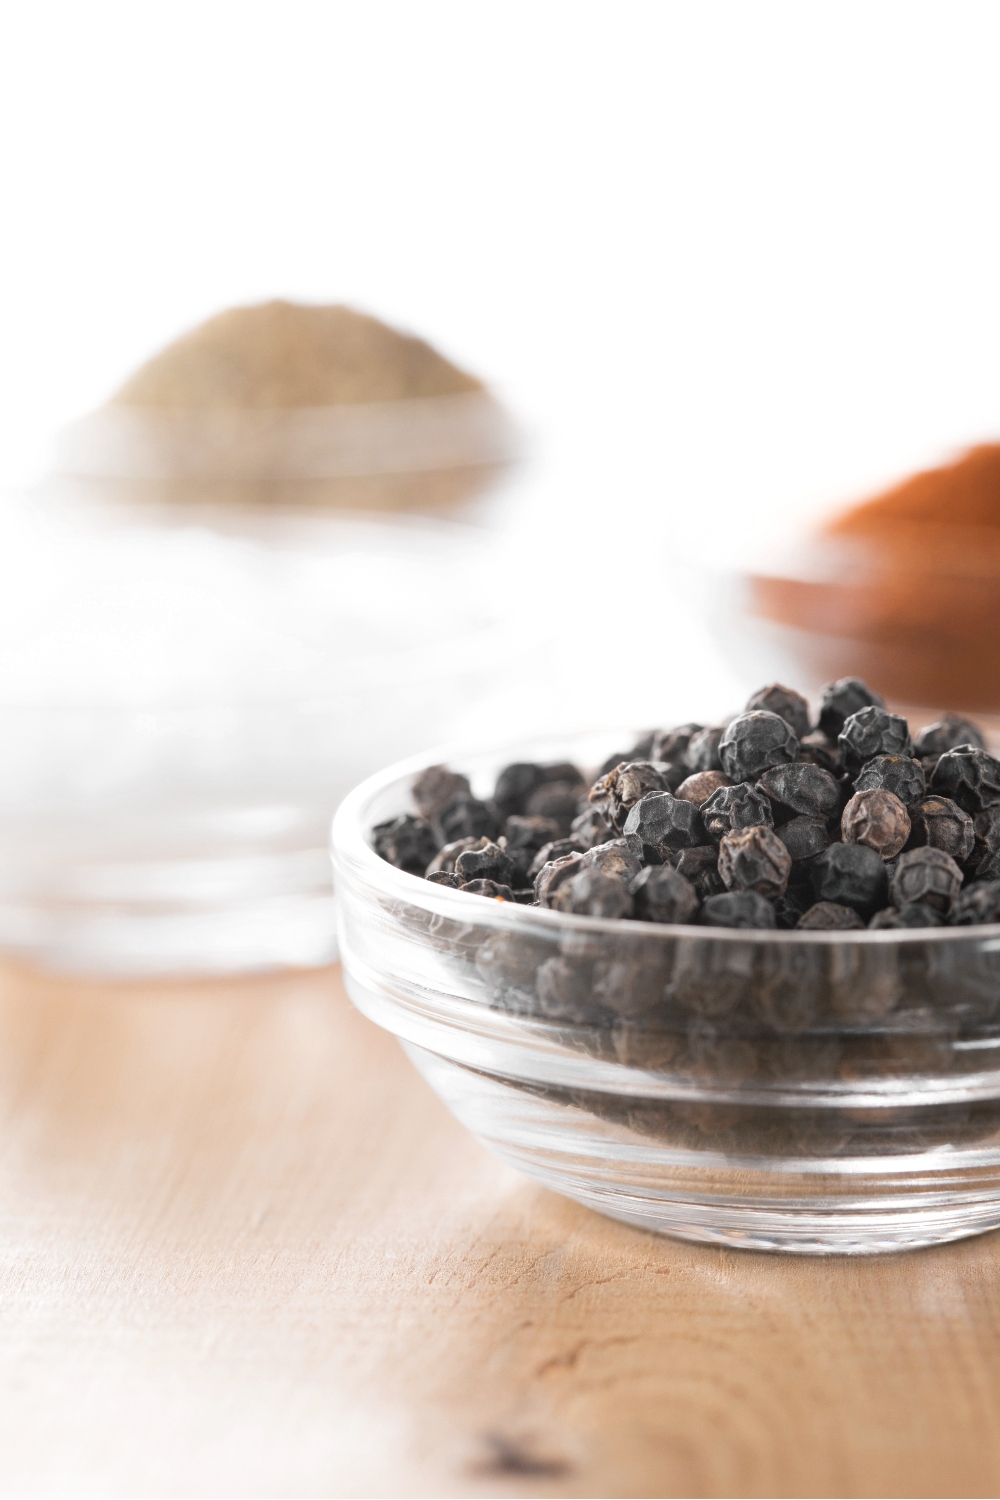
[[760, 822]]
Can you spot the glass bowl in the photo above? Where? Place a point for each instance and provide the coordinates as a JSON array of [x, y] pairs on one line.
[[182, 707], [814, 1092]]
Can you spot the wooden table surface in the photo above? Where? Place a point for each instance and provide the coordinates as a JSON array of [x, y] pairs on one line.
[[245, 1251]]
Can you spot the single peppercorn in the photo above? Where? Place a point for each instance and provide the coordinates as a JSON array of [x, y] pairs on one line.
[[515, 785], [445, 877], [988, 868], [491, 888], [898, 774], [698, 788], [552, 875], [702, 753], [465, 817], [660, 825], [616, 857], [523, 838], [592, 893], [870, 732], [842, 699], [977, 904], [591, 827], [913, 915], [850, 875], [969, 776], [878, 819], [942, 824], [618, 792], [804, 837], [701, 866], [754, 859], [550, 852], [558, 800], [670, 744], [755, 742], [947, 733], [444, 860], [828, 916], [406, 842], [662, 894], [732, 807], [435, 787], [805, 788], [927, 875], [986, 828], [738, 909], [489, 862], [785, 702]]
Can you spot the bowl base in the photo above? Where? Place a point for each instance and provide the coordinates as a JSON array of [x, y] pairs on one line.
[[852, 1205]]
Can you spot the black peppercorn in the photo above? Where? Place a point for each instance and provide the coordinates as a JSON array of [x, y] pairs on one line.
[[816, 750], [754, 859], [670, 744], [661, 894], [942, 824], [465, 817], [592, 893], [618, 792], [738, 909], [753, 743], [789, 907], [785, 702], [549, 852], [870, 732], [488, 862], [698, 788], [828, 916], [591, 827], [969, 776], [702, 753], [947, 733], [701, 866], [524, 837], [515, 785], [552, 875], [491, 888], [898, 774], [446, 877], [616, 857], [406, 842], [558, 800], [436, 787], [913, 915], [444, 861], [805, 788], [660, 825], [927, 875], [850, 875], [842, 699], [986, 827], [977, 904], [878, 819], [804, 837], [732, 807]]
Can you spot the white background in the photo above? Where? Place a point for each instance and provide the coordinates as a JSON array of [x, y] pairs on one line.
[[726, 260]]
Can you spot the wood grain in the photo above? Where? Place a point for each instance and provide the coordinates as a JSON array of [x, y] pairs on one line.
[[244, 1251]]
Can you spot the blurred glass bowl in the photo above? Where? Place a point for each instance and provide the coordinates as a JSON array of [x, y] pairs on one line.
[[182, 707]]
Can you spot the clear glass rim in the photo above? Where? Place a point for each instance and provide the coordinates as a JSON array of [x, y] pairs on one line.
[[349, 845]]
